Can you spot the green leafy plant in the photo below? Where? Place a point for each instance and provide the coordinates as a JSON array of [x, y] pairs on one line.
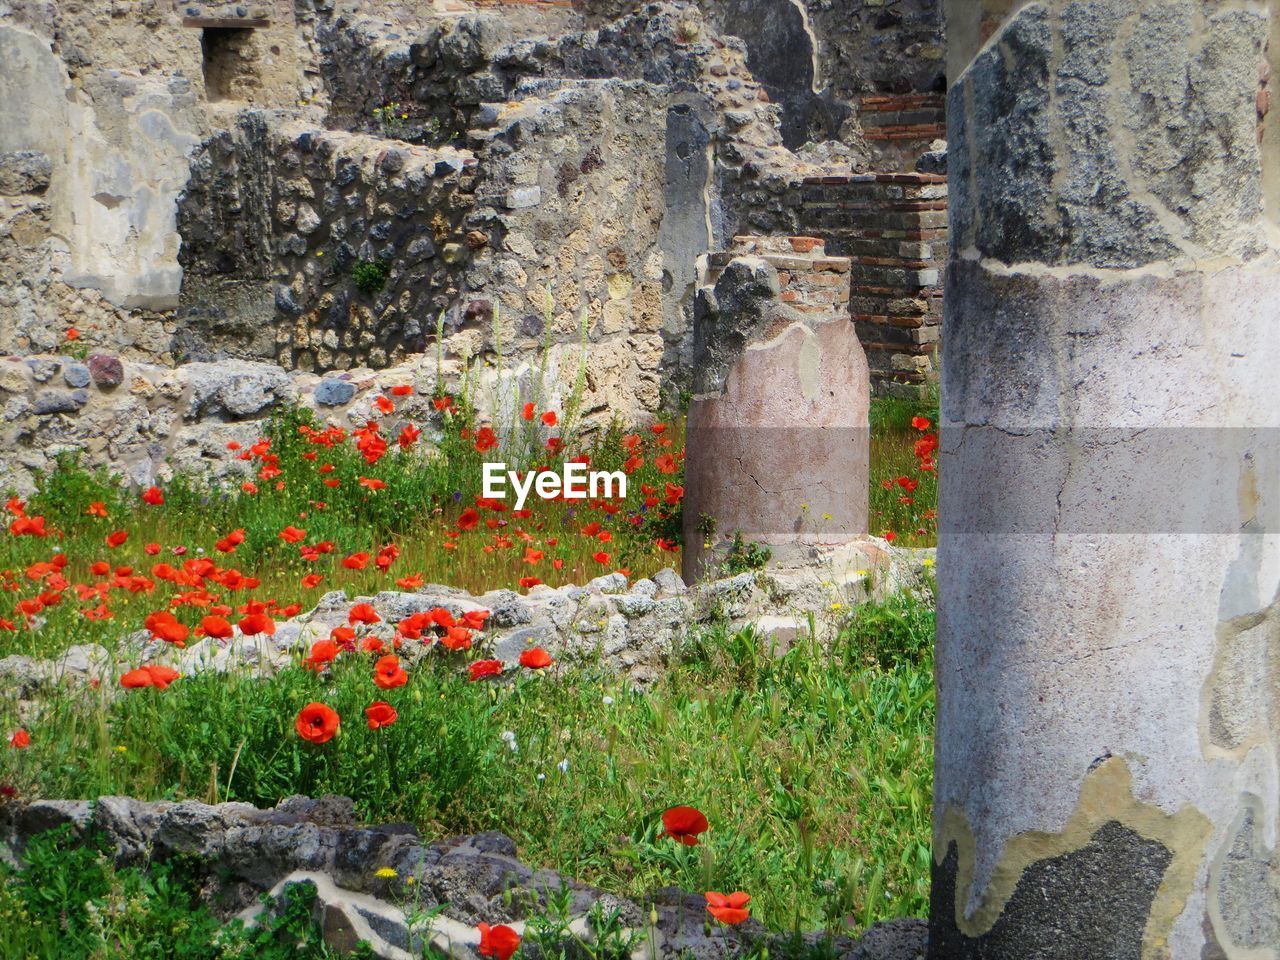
[[744, 555], [370, 276]]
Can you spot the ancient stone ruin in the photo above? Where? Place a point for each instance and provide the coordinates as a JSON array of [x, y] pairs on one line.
[[323, 188], [212, 210]]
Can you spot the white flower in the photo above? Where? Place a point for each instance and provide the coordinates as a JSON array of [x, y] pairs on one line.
[[563, 765], [542, 776], [509, 738], [607, 700]]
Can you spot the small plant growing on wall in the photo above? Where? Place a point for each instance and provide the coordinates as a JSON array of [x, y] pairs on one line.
[[370, 275]]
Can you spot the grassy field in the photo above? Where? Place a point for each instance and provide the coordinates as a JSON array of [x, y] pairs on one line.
[[813, 768]]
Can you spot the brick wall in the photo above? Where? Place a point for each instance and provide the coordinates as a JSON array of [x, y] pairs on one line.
[[893, 227], [900, 127]]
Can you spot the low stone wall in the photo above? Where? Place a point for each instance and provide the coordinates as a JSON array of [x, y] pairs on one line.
[[146, 421], [894, 228], [463, 881], [629, 628]]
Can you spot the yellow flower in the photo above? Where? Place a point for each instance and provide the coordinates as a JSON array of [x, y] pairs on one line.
[[411, 880], [837, 606], [122, 749], [804, 506], [385, 873], [859, 573], [929, 561]]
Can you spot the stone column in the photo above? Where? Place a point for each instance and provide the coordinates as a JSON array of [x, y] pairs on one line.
[[777, 440], [1108, 655]]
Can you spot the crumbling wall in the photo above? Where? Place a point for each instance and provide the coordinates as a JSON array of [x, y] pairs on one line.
[[319, 249]]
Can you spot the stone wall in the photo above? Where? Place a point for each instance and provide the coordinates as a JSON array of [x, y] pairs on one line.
[[368, 880], [894, 227], [279, 220]]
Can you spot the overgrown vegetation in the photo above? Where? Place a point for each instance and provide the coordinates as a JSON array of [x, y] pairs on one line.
[[68, 902], [813, 768]]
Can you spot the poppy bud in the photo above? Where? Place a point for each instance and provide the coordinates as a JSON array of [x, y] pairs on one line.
[[653, 916], [506, 896], [417, 696]]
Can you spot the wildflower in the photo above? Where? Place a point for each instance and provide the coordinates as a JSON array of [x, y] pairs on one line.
[[600, 557], [607, 700], [388, 674], [311, 580], [384, 873], [291, 534], [153, 675], [97, 509], [323, 653], [527, 582], [728, 909], [484, 668], [117, 538], [535, 658], [509, 738], [363, 613], [499, 942], [684, 824], [154, 496], [317, 723], [549, 418], [527, 412], [380, 714], [920, 423], [20, 739], [563, 765]]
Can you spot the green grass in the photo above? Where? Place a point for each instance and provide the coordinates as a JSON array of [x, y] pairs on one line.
[[68, 902], [910, 515], [813, 768]]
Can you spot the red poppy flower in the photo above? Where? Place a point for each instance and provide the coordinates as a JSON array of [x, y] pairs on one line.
[[456, 638], [217, 627], [153, 496], [412, 582], [20, 739], [408, 436], [253, 624], [115, 539], [291, 534], [468, 520], [527, 582], [535, 658], [484, 668], [920, 423], [527, 412], [385, 405], [97, 509], [161, 676], [665, 463], [317, 723], [600, 557], [549, 418], [486, 439], [380, 714], [499, 942], [728, 909], [323, 653], [684, 824], [363, 613], [357, 561], [658, 427], [165, 626], [311, 580], [388, 674], [401, 390]]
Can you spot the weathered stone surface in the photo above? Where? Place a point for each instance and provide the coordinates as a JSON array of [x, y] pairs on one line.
[[24, 171], [1033, 136], [107, 371], [332, 392]]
